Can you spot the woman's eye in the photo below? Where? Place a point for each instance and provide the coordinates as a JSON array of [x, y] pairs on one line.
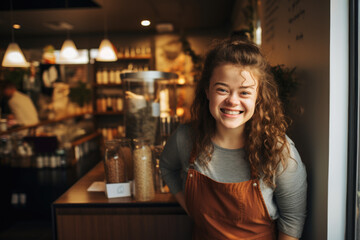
[[221, 90], [245, 93]]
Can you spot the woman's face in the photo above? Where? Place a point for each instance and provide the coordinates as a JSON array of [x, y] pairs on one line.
[[232, 96]]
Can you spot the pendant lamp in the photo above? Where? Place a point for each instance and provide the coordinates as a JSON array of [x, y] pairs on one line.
[[13, 57], [68, 50], [107, 51]]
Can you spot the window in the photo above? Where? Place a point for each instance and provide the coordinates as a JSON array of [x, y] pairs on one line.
[[353, 195]]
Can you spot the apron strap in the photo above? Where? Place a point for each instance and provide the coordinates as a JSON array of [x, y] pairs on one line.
[[254, 175], [192, 159]]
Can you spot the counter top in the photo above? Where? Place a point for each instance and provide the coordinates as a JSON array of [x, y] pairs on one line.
[[78, 195], [79, 214]]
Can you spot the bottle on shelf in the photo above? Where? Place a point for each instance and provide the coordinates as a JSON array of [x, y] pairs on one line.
[[99, 104], [119, 103], [108, 104], [105, 76], [112, 76], [99, 80], [117, 76]]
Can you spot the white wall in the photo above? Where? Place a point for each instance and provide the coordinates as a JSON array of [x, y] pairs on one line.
[[304, 34], [339, 84]]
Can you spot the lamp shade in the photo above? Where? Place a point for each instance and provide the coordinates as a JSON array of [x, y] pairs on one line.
[[106, 52], [14, 57], [68, 50]]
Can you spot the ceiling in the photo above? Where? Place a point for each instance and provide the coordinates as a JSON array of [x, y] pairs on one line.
[[54, 17]]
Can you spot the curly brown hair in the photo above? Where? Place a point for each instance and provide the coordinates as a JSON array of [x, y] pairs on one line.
[[265, 132]]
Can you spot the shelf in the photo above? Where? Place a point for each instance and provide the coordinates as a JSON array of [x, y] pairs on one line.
[[143, 57], [46, 122], [109, 113], [85, 138], [107, 85], [134, 58]]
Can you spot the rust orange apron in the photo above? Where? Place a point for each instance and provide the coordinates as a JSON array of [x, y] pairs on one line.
[[227, 210]]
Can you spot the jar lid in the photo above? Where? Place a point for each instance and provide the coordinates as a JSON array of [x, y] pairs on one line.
[[140, 141], [123, 140]]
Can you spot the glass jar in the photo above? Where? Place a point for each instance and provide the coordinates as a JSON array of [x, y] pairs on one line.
[[114, 163], [143, 171], [126, 149], [149, 95]]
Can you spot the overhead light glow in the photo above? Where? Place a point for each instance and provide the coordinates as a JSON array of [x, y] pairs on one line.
[[181, 81], [14, 57], [145, 23], [16, 26], [68, 50], [106, 52]]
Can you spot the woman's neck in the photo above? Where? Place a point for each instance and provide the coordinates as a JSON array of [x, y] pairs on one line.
[[229, 138]]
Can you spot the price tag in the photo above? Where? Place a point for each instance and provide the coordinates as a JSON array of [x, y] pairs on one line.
[[114, 190]]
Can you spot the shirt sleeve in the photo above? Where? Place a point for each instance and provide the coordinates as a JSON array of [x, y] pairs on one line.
[[290, 195], [170, 163]]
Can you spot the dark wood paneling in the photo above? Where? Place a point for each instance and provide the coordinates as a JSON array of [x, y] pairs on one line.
[[123, 226]]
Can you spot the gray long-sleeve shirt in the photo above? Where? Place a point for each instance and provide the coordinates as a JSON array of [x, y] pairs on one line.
[[286, 203]]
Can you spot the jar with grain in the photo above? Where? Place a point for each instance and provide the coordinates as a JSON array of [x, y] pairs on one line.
[[126, 149], [143, 171], [114, 163]]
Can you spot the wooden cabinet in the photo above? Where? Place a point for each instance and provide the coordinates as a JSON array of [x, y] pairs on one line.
[[79, 214]]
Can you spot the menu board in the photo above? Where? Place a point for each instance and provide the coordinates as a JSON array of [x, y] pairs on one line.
[[284, 20]]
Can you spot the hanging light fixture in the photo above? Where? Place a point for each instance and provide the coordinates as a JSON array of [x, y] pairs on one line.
[[68, 50], [107, 51], [13, 57]]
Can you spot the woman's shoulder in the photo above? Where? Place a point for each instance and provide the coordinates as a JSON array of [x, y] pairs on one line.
[[179, 142], [292, 159], [292, 151], [183, 130]]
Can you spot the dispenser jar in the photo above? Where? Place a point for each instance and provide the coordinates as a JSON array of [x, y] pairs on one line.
[[149, 96], [114, 163], [144, 189]]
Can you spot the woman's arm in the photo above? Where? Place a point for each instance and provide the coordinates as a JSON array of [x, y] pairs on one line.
[[283, 236], [290, 195]]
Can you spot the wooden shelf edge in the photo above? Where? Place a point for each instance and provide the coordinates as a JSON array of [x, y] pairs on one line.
[[109, 113], [85, 138], [46, 122], [108, 85]]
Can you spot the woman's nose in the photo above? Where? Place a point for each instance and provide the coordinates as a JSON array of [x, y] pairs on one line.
[[233, 99]]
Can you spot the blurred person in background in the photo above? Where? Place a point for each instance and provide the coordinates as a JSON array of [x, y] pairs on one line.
[[21, 106]]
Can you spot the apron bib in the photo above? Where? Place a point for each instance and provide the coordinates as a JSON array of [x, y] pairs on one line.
[[227, 210]]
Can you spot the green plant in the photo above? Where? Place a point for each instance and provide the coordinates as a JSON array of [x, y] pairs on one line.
[[287, 83], [196, 59], [80, 94]]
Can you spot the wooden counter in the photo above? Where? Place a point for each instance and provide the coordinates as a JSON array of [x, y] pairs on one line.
[[79, 214]]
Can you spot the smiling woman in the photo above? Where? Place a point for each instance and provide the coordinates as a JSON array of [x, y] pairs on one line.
[[232, 96], [239, 176]]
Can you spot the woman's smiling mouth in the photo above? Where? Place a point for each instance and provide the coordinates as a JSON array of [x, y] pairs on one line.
[[231, 112]]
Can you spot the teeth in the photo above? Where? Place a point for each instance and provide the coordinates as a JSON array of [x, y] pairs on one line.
[[231, 112]]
